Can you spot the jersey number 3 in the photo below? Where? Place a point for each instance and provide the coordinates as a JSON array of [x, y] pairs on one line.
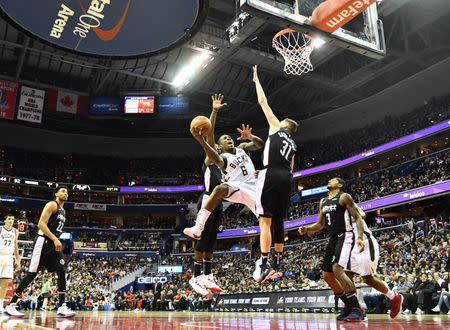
[[328, 216], [286, 151]]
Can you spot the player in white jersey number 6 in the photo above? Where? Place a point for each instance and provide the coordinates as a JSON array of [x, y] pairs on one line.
[[8, 251], [238, 170]]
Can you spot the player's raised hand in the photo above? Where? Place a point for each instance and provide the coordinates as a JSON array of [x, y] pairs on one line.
[[302, 230], [246, 132], [217, 100], [255, 74]]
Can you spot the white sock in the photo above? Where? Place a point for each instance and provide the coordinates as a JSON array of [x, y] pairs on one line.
[[390, 294], [202, 217]]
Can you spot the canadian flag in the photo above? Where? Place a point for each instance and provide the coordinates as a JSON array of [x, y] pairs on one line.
[[67, 102], [62, 101]]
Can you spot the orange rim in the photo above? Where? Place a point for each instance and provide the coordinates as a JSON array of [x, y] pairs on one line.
[[286, 31]]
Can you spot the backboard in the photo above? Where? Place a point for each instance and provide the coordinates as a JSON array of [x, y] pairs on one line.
[[364, 34]]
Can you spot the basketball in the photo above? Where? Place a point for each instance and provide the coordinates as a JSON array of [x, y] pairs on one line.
[[201, 123]]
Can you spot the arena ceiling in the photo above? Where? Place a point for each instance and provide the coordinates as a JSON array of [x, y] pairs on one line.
[[416, 36]]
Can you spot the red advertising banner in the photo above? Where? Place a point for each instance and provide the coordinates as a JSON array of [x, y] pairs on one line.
[[8, 95]]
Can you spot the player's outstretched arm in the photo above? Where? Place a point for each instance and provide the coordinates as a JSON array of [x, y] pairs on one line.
[[352, 208], [217, 105], [274, 123], [211, 154], [47, 212], [255, 143], [316, 226]]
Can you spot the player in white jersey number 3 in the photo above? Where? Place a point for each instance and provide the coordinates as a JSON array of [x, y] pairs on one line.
[[8, 251]]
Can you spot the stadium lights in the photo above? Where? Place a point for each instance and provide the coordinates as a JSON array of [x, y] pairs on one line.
[[188, 72], [318, 42]]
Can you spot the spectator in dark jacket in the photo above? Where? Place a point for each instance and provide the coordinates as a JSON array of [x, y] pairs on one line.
[[423, 291]]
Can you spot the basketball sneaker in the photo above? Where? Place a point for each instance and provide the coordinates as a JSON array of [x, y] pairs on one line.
[[419, 311], [396, 305], [344, 314], [355, 315], [193, 232], [197, 285], [262, 272], [64, 311], [209, 283], [406, 312], [12, 311]]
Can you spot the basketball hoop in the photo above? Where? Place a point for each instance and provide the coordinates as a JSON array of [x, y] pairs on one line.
[[296, 48]]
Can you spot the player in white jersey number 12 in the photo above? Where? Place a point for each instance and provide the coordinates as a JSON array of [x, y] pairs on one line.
[[8, 251], [238, 170]]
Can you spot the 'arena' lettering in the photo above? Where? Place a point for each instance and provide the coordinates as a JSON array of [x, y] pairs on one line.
[[60, 23]]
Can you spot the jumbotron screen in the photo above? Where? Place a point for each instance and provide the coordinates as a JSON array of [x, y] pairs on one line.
[[139, 105]]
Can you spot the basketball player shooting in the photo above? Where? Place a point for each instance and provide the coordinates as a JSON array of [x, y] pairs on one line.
[[273, 189], [9, 249], [202, 283], [340, 243], [365, 264], [238, 169], [47, 253]]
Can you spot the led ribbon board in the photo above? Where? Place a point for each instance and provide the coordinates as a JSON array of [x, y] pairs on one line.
[[375, 151], [392, 200]]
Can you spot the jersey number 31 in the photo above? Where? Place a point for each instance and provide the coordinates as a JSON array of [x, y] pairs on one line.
[[286, 151]]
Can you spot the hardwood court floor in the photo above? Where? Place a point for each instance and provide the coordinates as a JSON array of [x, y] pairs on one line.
[[216, 320]]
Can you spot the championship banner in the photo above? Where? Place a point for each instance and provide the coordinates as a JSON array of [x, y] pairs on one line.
[[305, 300], [90, 207], [90, 245], [31, 104], [8, 95]]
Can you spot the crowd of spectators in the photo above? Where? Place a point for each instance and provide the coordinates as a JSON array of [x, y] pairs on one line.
[[415, 260], [123, 240], [318, 152], [432, 169], [141, 241], [95, 236], [172, 171], [88, 283], [402, 258]]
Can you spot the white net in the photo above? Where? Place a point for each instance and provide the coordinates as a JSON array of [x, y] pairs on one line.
[[296, 48]]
